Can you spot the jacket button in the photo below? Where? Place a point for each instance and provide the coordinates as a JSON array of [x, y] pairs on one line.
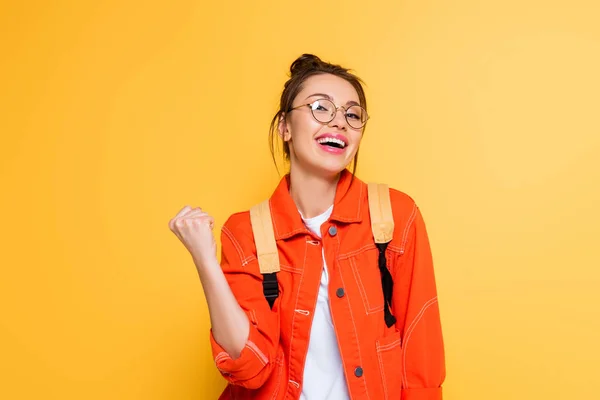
[[332, 230], [340, 292], [358, 372]]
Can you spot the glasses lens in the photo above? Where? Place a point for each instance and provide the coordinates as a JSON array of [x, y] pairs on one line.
[[356, 116], [323, 110]]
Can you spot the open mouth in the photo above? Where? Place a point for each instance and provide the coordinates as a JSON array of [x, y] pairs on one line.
[[332, 142]]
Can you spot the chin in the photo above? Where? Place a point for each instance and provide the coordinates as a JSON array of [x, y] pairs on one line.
[[330, 170], [321, 166]]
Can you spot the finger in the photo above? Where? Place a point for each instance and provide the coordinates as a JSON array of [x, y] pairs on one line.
[[188, 218], [183, 211], [210, 220], [189, 210], [194, 213], [199, 220], [180, 213], [172, 224], [174, 228], [194, 216]]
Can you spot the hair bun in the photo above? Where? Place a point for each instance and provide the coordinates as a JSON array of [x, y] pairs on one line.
[[304, 63]]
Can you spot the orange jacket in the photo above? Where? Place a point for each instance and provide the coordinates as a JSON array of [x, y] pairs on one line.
[[405, 361]]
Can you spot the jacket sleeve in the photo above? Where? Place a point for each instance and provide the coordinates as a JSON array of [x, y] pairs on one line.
[[240, 266], [416, 303]]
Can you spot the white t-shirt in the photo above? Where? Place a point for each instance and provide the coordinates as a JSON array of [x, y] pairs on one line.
[[323, 371]]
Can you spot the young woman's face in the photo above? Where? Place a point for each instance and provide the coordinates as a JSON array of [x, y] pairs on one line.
[[317, 147]]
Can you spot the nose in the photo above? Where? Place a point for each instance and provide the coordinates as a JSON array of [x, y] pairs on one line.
[[339, 119]]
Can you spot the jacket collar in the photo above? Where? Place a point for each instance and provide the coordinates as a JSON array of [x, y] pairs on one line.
[[347, 204]]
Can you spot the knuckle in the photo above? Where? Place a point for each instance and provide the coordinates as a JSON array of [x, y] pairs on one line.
[[196, 221]]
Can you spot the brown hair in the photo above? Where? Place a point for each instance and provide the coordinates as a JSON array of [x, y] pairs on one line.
[[301, 69]]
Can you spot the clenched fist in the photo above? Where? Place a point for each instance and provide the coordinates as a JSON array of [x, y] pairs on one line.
[[194, 228]]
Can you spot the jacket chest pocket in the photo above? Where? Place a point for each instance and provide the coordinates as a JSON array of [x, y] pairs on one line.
[[364, 269]]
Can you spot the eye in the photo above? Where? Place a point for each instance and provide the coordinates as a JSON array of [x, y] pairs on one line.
[[321, 105], [355, 113]]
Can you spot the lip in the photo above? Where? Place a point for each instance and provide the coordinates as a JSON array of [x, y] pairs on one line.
[[333, 150], [335, 136]]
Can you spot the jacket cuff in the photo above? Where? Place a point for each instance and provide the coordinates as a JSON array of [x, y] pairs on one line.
[[422, 394], [248, 365]]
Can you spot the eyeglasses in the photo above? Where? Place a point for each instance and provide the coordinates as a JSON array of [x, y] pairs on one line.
[[324, 111]]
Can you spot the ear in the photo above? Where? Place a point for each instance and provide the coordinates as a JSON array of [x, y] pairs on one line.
[[283, 128]]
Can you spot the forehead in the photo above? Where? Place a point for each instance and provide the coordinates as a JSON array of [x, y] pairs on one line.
[[338, 88]]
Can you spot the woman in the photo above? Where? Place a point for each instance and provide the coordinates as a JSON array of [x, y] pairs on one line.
[[329, 333]]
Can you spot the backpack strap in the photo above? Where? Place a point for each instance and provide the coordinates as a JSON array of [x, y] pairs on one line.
[[266, 249], [380, 208], [382, 226]]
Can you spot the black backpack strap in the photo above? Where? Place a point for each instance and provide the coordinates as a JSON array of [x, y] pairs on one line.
[[266, 249], [387, 284], [270, 288], [382, 226]]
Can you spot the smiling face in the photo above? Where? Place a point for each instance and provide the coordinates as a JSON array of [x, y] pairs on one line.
[[317, 147]]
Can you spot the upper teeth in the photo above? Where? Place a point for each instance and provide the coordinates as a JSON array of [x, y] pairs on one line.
[[332, 140]]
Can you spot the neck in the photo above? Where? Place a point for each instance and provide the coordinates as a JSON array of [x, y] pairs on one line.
[[312, 194]]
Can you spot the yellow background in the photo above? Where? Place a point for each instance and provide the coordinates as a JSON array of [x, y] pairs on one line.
[[116, 114]]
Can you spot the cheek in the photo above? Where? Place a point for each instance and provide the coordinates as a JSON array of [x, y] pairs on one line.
[[304, 128], [356, 137]]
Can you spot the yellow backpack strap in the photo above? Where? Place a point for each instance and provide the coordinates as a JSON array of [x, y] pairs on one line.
[[264, 238], [380, 209]]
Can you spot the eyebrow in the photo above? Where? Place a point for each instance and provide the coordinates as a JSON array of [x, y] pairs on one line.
[[328, 97]]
